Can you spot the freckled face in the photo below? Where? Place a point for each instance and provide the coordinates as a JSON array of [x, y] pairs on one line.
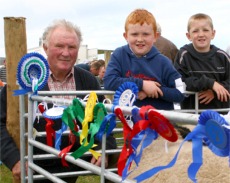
[[140, 38], [201, 34], [62, 50]]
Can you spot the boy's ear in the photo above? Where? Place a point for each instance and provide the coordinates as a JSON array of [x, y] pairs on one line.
[[125, 35], [188, 36], [213, 34]]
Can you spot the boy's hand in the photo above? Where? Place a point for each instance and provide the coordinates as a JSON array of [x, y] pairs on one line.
[[142, 95], [222, 94], [151, 88], [205, 97]]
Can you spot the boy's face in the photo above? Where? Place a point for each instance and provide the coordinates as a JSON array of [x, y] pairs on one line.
[[201, 34], [140, 38]]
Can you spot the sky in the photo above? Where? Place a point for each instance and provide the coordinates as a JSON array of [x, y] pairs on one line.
[[102, 21]]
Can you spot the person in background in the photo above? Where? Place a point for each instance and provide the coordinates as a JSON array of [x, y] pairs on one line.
[[139, 61], [100, 77], [204, 67], [61, 42], [93, 66], [3, 74], [165, 46]]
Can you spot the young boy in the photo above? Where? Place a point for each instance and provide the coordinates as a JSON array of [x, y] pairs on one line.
[[204, 67], [140, 62]]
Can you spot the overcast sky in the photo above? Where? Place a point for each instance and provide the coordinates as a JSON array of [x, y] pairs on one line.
[[102, 21]]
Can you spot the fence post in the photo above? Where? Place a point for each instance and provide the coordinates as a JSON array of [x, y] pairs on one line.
[[15, 47]]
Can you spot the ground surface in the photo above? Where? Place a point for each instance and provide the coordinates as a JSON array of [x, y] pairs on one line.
[[215, 169]]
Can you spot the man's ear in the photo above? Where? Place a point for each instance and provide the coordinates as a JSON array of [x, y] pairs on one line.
[[44, 47], [158, 34]]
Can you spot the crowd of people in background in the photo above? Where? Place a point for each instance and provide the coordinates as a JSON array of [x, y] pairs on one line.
[[96, 67]]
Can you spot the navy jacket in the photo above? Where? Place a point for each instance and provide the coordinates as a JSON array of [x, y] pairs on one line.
[[124, 66]]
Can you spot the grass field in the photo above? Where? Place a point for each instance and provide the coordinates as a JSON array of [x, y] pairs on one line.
[[6, 177]]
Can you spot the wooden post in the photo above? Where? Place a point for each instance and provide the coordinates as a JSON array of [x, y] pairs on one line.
[[107, 56], [15, 47]]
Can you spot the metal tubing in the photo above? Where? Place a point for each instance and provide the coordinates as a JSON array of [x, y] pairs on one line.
[[79, 162], [30, 136], [45, 173], [22, 138]]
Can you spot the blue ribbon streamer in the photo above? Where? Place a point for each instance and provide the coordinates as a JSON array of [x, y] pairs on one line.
[[197, 136], [58, 135], [107, 126], [149, 135]]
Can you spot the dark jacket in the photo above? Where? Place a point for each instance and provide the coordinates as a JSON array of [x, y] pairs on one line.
[[200, 70], [9, 153]]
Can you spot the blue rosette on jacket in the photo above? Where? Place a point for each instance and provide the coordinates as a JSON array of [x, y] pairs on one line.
[[32, 73]]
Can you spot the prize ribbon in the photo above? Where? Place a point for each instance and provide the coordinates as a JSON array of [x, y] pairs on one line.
[[70, 114], [99, 113], [50, 115], [213, 130], [88, 116], [107, 126], [126, 94], [146, 130], [32, 73]]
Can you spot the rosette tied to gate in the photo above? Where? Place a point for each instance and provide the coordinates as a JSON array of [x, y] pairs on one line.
[[213, 130], [32, 73], [54, 113], [126, 94], [144, 132]]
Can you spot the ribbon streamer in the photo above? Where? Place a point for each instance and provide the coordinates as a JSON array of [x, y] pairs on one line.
[[145, 131], [99, 114], [211, 130]]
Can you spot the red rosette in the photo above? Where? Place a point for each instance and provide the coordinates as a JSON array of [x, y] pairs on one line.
[[144, 111], [162, 126]]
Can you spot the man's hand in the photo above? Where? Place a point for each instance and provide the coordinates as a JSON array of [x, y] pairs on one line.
[[98, 162], [16, 170]]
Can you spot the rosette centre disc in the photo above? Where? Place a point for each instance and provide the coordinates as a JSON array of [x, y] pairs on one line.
[[216, 133]]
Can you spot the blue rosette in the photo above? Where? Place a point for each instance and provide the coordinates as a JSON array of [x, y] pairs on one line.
[[217, 136], [32, 73], [211, 129], [126, 94], [54, 112]]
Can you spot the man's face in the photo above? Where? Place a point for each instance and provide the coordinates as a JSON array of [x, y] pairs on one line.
[[101, 72], [140, 38], [62, 50]]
